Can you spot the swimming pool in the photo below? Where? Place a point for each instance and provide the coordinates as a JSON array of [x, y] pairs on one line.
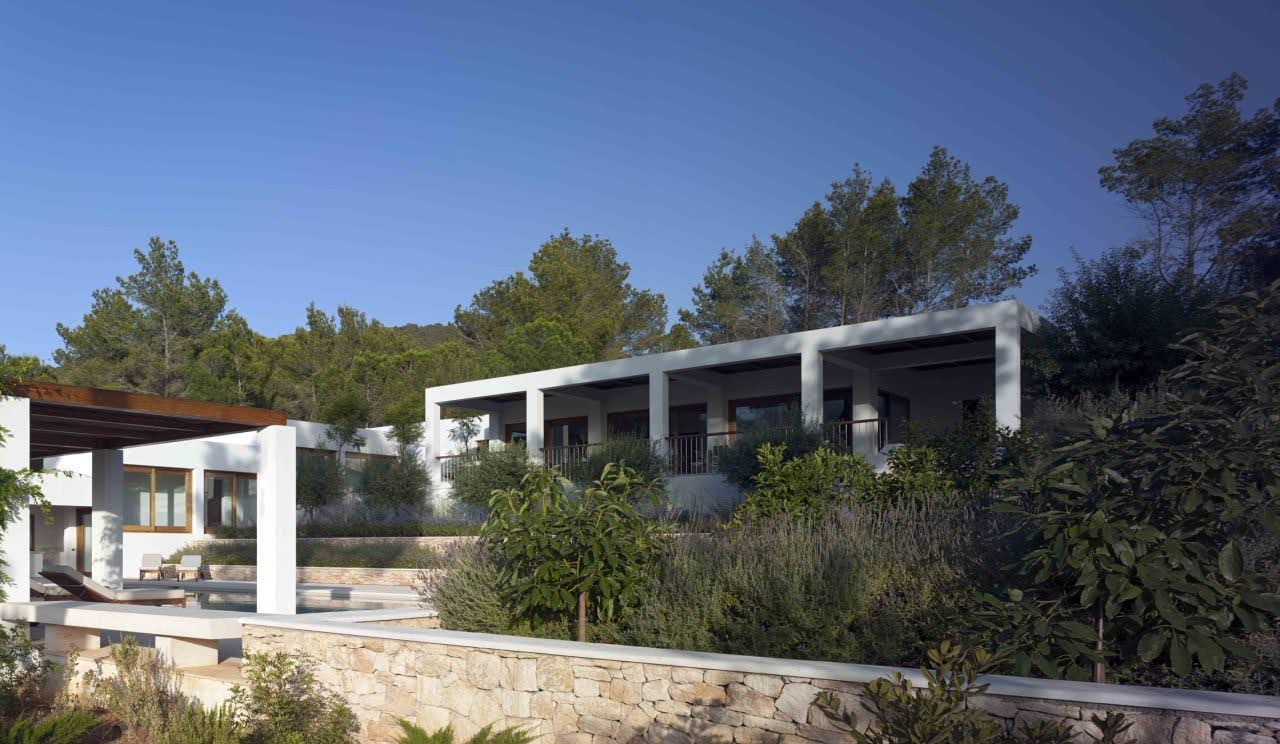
[[248, 602]]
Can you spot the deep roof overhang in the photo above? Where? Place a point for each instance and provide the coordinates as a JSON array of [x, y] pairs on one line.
[[66, 419]]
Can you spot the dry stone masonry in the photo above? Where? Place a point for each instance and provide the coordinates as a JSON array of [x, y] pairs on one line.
[[580, 700]]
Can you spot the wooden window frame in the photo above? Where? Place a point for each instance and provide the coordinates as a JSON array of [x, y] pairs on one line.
[[757, 400], [152, 470], [235, 495], [318, 452]]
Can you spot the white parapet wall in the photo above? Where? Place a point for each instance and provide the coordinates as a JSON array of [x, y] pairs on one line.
[[598, 692]]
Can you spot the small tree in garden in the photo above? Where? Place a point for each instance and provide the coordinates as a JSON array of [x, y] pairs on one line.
[[1134, 524], [557, 551], [465, 428], [345, 416], [19, 488], [405, 419], [320, 482]]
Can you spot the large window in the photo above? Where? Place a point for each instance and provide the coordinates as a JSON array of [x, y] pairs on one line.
[[157, 499], [897, 410], [765, 412], [357, 460], [230, 499]]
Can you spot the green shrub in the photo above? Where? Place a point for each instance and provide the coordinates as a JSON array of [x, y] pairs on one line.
[[1135, 524], [361, 528], [142, 693], [468, 596], [399, 487], [875, 583], [69, 726], [493, 469], [281, 702], [637, 454], [940, 712], [391, 554], [417, 735], [915, 472], [23, 667], [320, 482], [554, 552], [805, 487], [197, 725], [739, 462]]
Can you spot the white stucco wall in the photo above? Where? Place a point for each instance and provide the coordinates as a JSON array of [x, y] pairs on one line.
[[237, 453]]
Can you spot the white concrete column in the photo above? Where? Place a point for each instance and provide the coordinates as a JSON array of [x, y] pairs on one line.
[[15, 454], [659, 410], [432, 440], [864, 399], [595, 422], [494, 431], [717, 416], [811, 385], [108, 518], [1008, 381], [533, 423], [197, 502], [277, 520]]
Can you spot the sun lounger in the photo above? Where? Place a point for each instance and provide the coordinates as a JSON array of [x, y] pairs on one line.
[[151, 564], [83, 588], [189, 567]]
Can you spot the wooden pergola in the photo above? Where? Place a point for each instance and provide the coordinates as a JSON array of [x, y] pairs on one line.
[[44, 419], [66, 419]]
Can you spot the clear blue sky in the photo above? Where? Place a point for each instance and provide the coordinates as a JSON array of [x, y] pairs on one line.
[[400, 156]]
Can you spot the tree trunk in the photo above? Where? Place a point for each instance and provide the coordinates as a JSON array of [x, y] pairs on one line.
[[582, 617], [1099, 667]]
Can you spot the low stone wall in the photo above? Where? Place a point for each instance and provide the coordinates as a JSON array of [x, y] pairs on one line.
[[594, 693], [442, 542], [326, 575]]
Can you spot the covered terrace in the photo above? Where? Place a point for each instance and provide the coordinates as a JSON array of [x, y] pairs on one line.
[[47, 419], [860, 382]]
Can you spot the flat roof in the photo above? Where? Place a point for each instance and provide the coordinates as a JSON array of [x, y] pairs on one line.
[[66, 419], [922, 331]]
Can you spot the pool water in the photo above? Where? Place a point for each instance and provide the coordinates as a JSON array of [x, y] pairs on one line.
[[248, 602]]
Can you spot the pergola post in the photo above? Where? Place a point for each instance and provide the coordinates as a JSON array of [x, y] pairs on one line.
[[866, 437], [1008, 402], [15, 454], [534, 413], [811, 386], [108, 517], [659, 411], [277, 520]]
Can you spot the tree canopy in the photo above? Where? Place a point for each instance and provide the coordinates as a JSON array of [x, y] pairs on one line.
[[866, 252]]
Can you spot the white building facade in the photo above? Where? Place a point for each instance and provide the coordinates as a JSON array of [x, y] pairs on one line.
[[860, 382]]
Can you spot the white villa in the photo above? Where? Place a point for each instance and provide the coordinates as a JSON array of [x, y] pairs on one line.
[[151, 474], [862, 382]]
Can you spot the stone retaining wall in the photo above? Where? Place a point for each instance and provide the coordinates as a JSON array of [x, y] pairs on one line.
[[326, 575], [591, 694], [442, 541]]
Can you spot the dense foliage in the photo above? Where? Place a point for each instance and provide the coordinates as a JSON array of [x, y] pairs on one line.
[[875, 584], [380, 554], [866, 252], [417, 735], [897, 711], [806, 487], [396, 490], [23, 667], [489, 470], [1135, 523], [556, 551], [282, 702]]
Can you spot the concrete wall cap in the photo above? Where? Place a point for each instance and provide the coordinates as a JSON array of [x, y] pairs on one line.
[[1197, 701]]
